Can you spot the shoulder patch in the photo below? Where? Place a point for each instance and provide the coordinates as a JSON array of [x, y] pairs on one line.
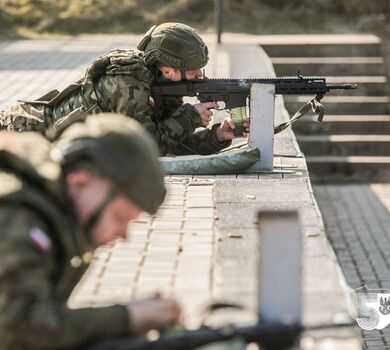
[[40, 240]]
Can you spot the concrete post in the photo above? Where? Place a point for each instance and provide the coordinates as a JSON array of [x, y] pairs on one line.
[[280, 270], [262, 109]]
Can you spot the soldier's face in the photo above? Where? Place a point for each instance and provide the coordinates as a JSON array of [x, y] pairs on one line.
[[87, 192], [114, 221], [174, 74]]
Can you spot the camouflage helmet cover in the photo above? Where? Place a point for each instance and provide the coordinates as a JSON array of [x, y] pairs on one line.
[[175, 45], [120, 149]]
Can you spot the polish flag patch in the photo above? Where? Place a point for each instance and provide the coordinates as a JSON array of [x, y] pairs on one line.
[[151, 101], [40, 240]]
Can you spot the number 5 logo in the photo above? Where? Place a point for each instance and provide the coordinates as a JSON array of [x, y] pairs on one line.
[[370, 307], [368, 317]]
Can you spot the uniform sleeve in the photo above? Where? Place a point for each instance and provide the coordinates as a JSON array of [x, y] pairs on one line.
[[30, 316], [202, 142], [174, 133]]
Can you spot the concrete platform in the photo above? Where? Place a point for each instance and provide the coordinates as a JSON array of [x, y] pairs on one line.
[[349, 169], [323, 66], [357, 145], [297, 39], [343, 104], [344, 124], [320, 45], [342, 58], [201, 245]]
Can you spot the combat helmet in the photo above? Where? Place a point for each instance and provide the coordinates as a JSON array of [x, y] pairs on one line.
[[175, 45], [120, 149]]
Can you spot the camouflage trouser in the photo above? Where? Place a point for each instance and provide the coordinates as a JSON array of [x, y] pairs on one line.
[[23, 117]]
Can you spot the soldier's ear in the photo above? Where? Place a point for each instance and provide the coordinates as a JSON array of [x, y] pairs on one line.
[[167, 72]]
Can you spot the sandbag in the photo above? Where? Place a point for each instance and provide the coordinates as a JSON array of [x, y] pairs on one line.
[[229, 162]]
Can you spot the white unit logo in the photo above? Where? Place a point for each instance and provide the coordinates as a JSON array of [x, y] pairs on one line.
[[370, 307]]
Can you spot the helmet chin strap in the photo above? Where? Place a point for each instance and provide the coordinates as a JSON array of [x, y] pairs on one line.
[[183, 74], [95, 216]]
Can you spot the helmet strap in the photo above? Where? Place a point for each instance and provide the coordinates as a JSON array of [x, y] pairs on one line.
[[95, 216], [183, 74]]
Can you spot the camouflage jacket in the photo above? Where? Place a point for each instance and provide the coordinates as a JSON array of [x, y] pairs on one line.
[[41, 256], [120, 82]]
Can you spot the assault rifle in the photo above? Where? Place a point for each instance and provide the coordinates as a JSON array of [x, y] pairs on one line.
[[234, 92], [268, 336]]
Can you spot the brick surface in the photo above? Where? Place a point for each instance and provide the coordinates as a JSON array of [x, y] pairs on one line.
[[163, 255], [357, 222]]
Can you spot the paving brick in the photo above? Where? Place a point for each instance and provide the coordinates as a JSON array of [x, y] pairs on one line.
[[358, 215], [148, 263], [200, 213], [174, 225], [165, 240], [204, 224], [191, 238], [160, 256]]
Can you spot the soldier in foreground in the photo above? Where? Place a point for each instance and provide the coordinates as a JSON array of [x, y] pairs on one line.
[[58, 203], [121, 81]]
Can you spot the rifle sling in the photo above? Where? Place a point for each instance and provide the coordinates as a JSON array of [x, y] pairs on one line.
[[314, 104], [218, 305]]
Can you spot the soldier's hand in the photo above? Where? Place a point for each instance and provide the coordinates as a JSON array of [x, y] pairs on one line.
[[153, 313], [204, 111], [225, 131], [246, 124]]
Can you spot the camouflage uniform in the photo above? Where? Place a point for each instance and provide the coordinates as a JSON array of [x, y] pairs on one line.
[[119, 81], [42, 250]]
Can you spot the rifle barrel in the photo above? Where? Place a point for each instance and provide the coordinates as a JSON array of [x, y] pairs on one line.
[[347, 86]]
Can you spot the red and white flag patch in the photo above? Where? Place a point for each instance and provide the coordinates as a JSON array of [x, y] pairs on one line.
[[40, 240]]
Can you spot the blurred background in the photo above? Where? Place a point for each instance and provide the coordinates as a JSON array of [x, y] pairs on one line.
[[41, 18], [27, 18]]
